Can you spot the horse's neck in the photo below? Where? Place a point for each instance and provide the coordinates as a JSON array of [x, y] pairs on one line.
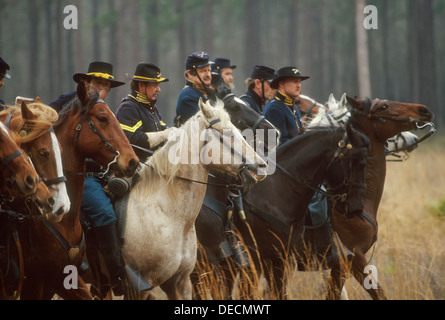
[[375, 178], [73, 164]]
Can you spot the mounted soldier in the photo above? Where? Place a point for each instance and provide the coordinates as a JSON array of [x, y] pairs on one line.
[[139, 114], [4, 67], [259, 90], [198, 80], [283, 113]]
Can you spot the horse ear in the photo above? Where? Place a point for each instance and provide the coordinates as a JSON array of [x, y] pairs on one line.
[[355, 137], [343, 99], [82, 93], [354, 103], [26, 112], [205, 108], [331, 99], [37, 99]]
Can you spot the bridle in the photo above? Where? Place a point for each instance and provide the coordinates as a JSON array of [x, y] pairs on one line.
[[368, 112], [343, 147], [99, 134], [50, 182]]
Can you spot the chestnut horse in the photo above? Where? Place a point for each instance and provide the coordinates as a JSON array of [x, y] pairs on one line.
[[33, 121], [378, 120], [86, 128], [18, 175]]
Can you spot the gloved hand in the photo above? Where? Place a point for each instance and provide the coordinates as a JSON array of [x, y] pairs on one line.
[[156, 138]]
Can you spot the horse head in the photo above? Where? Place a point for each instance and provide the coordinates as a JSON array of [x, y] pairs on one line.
[[89, 129], [18, 175], [383, 119], [226, 149], [245, 118], [34, 121]]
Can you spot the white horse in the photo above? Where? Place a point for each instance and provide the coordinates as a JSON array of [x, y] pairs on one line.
[[160, 238], [338, 114]]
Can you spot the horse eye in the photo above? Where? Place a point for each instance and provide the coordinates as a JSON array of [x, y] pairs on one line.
[[102, 119], [44, 153]]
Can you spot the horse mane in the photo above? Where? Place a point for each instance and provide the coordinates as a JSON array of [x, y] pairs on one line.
[[74, 106], [316, 131], [45, 119], [158, 167]]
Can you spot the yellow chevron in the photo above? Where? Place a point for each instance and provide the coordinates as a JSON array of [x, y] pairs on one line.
[[133, 128]]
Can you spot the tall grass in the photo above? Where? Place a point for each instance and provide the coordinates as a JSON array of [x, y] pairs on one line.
[[409, 254]]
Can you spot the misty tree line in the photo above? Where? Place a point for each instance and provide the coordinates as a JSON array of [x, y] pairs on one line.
[[406, 53]]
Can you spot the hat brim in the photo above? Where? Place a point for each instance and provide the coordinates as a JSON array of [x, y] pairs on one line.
[[201, 65], [274, 83], [82, 76], [132, 77]]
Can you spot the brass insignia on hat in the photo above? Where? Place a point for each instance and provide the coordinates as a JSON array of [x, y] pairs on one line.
[[158, 74], [295, 71]]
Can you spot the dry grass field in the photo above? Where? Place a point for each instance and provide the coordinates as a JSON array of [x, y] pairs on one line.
[[410, 252]]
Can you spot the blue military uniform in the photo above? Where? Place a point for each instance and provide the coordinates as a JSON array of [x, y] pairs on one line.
[[255, 101], [58, 103], [187, 105], [283, 114], [137, 116]]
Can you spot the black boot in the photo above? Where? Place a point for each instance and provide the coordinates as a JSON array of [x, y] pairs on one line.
[[108, 244], [328, 244]]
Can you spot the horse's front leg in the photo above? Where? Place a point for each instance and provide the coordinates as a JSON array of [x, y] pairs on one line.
[[178, 288], [359, 264]]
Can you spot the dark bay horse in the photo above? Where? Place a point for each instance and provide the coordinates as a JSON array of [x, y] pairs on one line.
[[378, 120], [86, 128], [276, 208], [212, 217]]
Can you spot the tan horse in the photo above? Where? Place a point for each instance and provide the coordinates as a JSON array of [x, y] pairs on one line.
[[160, 237]]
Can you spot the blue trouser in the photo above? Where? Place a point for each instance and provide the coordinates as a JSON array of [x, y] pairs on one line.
[[318, 208], [96, 204]]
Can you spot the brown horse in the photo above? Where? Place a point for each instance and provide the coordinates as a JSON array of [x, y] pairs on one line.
[[378, 120], [17, 173], [33, 122], [86, 128]]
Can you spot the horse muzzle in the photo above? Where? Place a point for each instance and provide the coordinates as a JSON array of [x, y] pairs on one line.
[[252, 173]]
